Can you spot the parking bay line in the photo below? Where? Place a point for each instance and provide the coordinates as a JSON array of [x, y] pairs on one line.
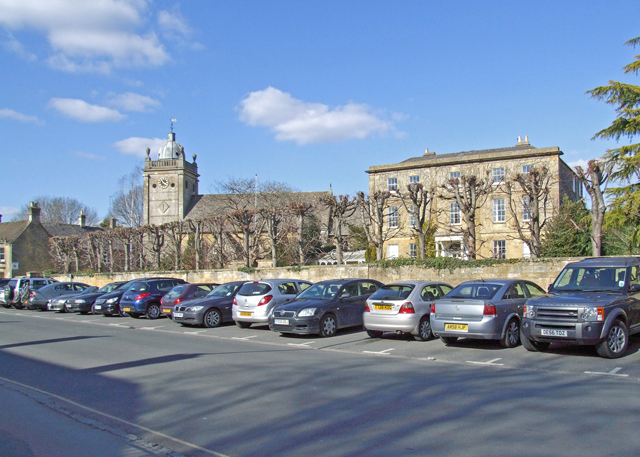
[[613, 372], [301, 344], [385, 352], [244, 337], [490, 362], [150, 328]]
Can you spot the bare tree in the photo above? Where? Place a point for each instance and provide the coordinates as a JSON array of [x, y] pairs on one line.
[[61, 252], [274, 210], [418, 200], [125, 235], [595, 179], [534, 189], [217, 227], [63, 210], [126, 204], [378, 219], [175, 231], [155, 236], [339, 208], [470, 192], [301, 211]]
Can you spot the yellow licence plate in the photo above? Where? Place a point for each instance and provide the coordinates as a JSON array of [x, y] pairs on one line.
[[383, 307], [457, 327], [166, 310], [246, 314], [126, 309]]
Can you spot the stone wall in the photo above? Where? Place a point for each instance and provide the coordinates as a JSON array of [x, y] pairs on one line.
[[542, 272]]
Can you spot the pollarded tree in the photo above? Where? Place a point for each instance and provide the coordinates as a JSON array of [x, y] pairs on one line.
[[418, 200], [339, 209], [625, 159], [379, 218]]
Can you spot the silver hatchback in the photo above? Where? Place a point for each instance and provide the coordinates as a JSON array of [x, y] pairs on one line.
[[255, 300], [403, 307]]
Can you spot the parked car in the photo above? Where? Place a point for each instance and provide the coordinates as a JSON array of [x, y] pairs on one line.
[[4, 282], [182, 293], [11, 295], [210, 311], [403, 307], [109, 304], [255, 300], [39, 299], [324, 307], [59, 303], [84, 302], [591, 302], [490, 310], [143, 298]]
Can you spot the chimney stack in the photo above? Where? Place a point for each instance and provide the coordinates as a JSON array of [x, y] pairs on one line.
[[112, 223], [428, 153], [81, 219], [34, 212], [523, 143]]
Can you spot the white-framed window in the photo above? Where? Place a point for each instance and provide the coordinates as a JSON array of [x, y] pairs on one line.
[[526, 169], [392, 220], [455, 175], [526, 251], [498, 175], [526, 209], [1, 255], [414, 178], [454, 214], [499, 210], [392, 251], [577, 187], [412, 218], [392, 184], [413, 250], [499, 249]]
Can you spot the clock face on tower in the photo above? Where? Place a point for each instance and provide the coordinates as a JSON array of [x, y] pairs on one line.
[[163, 182]]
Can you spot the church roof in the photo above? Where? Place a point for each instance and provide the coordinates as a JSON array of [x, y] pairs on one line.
[[10, 231]]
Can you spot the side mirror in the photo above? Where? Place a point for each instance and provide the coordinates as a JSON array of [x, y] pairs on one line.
[[634, 288], [345, 295]]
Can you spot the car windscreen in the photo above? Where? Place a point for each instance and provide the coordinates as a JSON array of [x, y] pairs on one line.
[[479, 291], [580, 279], [322, 290], [89, 290], [108, 288], [224, 290], [254, 288], [139, 287], [175, 292], [393, 292]]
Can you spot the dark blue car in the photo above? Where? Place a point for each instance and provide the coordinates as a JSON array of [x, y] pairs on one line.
[[143, 298]]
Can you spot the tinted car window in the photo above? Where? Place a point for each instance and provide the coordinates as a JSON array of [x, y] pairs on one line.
[[481, 291], [176, 291], [591, 278], [367, 288], [392, 292], [79, 287], [515, 292], [254, 288], [38, 283], [534, 291], [109, 288], [139, 287], [202, 291], [351, 289], [430, 292], [445, 289], [287, 288], [325, 290], [303, 285], [224, 290]]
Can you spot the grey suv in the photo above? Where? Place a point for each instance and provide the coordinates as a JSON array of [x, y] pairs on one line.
[[592, 302], [16, 291]]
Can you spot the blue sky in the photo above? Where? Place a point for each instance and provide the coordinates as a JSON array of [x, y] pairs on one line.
[[309, 93]]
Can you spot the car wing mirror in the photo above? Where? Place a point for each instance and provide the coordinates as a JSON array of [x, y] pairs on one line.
[[634, 288], [345, 295]]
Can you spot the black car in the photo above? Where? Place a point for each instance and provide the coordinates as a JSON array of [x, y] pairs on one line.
[[109, 304], [324, 307], [210, 311], [143, 298], [592, 302], [83, 303]]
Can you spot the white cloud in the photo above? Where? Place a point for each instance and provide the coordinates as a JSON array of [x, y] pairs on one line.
[[579, 163], [173, 23], [130, 101], [303, 122], [13, 45], [7, 211], [137, 146], [88, 35], [88, 155], [11, 114], [85, 112]]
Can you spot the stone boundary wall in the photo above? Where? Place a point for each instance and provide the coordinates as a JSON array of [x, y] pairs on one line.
[[542, 272]]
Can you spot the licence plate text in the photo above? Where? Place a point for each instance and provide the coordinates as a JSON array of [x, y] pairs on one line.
[[126, 309], [281, 321], [246, 314], [383, 307], [98, 306], [165, 310], [177, 314], [547, 332], [457, 327]]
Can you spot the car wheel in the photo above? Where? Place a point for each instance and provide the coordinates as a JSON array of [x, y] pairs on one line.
[[374, 333], [134, 315], [212, 318], [615, 343], [533, 346], [328, 326], [153, 312], [511, 336], [424, 330], [447, 340], [243, 324]]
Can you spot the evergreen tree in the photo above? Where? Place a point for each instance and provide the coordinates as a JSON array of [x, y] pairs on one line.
[[567, 233]]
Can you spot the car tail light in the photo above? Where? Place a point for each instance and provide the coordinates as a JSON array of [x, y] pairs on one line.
[[366, 308], [266, 299], [178, 300], [489, 310], [235, 302], [407, 308], [433, 308], [32, 294], [141, 296]]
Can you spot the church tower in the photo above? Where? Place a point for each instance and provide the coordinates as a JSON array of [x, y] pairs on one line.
[[169, 183]]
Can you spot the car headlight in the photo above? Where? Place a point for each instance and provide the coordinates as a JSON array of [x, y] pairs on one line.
[[593, 314], [529, 312], [307, 312], [195, 308], [80, 301], [112, 300]]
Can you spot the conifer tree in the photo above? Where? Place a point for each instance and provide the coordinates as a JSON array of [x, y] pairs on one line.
[[567, 233]]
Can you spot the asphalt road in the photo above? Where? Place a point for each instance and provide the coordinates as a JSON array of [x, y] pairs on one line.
[[157, 387]]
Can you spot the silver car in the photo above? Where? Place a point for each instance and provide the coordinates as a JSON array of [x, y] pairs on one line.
[[403, 307], [490, 310], [255, 300]]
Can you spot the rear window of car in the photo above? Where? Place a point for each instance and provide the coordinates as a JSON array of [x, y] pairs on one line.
[[392, 292], [139, 287], [13, 282], [38, 283], [224, 290], [108, 288], [254, 288], [480, 291], [176, 291]]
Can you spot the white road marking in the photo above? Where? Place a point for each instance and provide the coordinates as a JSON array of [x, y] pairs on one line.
[[301, 344], [613, 372], [150, 328], [244, 337], [192, 333], [385, 352], [490, 362]]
